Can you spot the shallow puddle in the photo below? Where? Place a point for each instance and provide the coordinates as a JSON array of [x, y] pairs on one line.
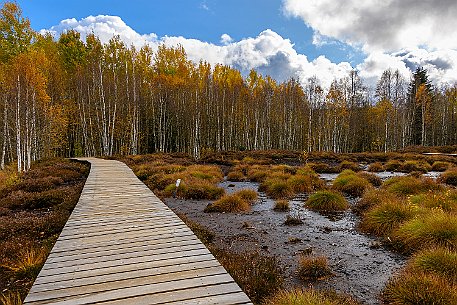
[[328, 177]]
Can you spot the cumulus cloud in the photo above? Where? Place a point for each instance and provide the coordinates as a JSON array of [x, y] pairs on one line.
[[105, 27], [381, 25], [226, 39], [441, 65], [395, 34]]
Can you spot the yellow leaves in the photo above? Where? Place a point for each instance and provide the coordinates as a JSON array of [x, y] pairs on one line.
[[383, 109], [172, 66], [57, 123]]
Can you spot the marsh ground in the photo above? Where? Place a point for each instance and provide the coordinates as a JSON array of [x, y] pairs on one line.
[[361, 266]]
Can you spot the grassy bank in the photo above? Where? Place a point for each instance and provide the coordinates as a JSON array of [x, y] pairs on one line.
[[34, 207]]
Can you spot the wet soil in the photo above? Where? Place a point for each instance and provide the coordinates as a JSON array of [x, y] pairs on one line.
[[361, 266]]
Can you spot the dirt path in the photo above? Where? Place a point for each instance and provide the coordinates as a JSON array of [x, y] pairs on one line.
[[361, 268]]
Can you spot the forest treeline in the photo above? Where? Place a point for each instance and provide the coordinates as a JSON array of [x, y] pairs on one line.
[[67, 97]]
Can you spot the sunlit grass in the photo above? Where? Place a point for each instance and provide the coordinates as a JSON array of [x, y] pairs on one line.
[[326, 201], [309, 297], [10, 298], [408, 185], [229, 203], [350, 183], [383, 218], [313, 268], [419, 288], [28, 262], [433, 229]]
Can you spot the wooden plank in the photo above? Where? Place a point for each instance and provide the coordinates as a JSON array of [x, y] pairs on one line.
[[171, 267], [178, 288], [122, 245], [124, 268]]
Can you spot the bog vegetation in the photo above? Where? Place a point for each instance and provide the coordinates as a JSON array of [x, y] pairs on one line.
[[67, 96], [34, 207]]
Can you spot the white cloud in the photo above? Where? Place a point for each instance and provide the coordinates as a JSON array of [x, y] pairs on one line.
[[440, 65], [105, 27], [226, 39], [381, 25]]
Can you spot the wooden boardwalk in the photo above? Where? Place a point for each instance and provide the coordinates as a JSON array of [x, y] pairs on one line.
[[122, 245]]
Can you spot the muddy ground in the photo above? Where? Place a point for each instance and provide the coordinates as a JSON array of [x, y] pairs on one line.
[[361, 267]]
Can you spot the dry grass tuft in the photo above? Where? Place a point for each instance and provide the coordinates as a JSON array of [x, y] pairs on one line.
[[293, 220], [439, 261], [28, 262], [407, 185], [327, 201], [372, 198], [376, 167], [350, 183], [433, 229], [229, 204], [419, 288], [383, 218], [441, 166], [10, 298], [282, 205], [259, 276], [248, 195], [309, 297], [313, 268]]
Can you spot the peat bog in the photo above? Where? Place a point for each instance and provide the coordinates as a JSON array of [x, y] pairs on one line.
[[360, 263]]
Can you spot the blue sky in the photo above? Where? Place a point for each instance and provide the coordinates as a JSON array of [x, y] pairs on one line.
[[203, 20], [323, 38]]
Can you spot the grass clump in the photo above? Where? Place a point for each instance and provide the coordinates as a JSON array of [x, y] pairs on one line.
[[230, 204], [440, 261], [371, 198], [449, 177], [434, 229], [326, 201], [372, 178], [382, 219], [305, 183], [257, 173], [407, 185], [348, 182], [393, 165], [258, 275], [236, 176], [248, 195], [410, 166], [309, 297], [376, 167], [10, 298], [313, 268], [28, 263], [281, 205], [321, 168], [419, 288], [197, 181], [348, 165], [199, 190], [441, 166], [277, 188], [445, 200]]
